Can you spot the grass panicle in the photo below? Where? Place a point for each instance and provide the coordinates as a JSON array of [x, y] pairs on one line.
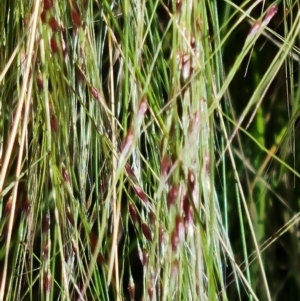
[[148, 150]]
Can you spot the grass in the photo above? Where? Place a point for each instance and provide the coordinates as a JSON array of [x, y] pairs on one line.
[[148, 150]]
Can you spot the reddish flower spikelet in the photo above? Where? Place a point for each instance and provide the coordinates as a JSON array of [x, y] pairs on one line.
[[133, 213], [186, 67], [48, 4], [131, 289], [191, 180], [96, 94], [162, 237], [143, 107], [254, 29], [80, 73], [144, 258], [47, 282], [188, 213], [152, 218], [196, 119], [193, 43], [54, 45], [270, 14], [127, 143], [183, 195], [172, 195], [93, 243], [8, 206], [140, 193], [129, 171], [174, 240], [39, 82], [70, 216], [146, 231], [46, 222], [207, 163], [178, 5], [163, 241], [53, 123], [178, 233], [54, 24], [150, 291], [46, 249], [44, 16], [76, 18], [180, 228], [165, 166], [65, 174]]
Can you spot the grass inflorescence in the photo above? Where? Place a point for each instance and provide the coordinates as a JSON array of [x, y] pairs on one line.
[[148, 150]]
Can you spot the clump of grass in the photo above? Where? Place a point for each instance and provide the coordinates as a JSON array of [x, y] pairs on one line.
[[115, 118]]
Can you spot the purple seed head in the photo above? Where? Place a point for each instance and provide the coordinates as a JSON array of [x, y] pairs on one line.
[[165, 166], [53, 123], [8, 206], [191, 180], [133, 213], [270, 14], [127, 142], [146, 231], [140, 193], [65, 174], [180, 228], [39, 82], [178, 5], [150, 291], [207, 163], [188, 213], [131, 289], [48, 4], [178, 233], [151, 217], [55, 47], [46, 249], [54, 24], [145, 258], [143, 107], [96, 94], [172, 195], [47, 282], [129, 171], [76, 18], [70, 216]]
